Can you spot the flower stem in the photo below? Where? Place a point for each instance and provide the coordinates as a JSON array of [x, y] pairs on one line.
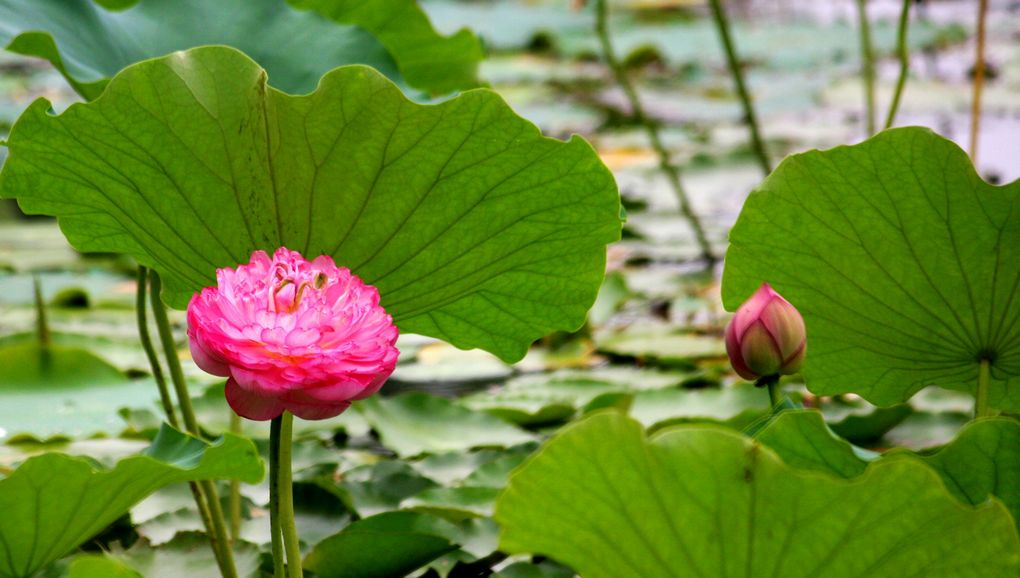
[[638, 112], [274, 496], [217, 532], [981, 396], [235, 488], [979, 80], [150, 351], [904, 58], [173, 362], [867, 65], [722, 24], [281, 497]]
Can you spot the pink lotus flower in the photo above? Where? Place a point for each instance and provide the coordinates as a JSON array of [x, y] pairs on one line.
[[766, 336], [305, 337]]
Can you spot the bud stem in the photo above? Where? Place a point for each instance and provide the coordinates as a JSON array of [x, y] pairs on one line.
[[772, 383]]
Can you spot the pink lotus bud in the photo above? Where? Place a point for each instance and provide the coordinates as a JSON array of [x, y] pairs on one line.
[[289, 334], [766, 336]]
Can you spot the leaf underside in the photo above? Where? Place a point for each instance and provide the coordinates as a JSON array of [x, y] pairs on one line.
[[475, 228], [903, 261]]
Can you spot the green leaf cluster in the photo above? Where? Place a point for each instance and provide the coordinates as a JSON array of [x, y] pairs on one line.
[[54, 502]]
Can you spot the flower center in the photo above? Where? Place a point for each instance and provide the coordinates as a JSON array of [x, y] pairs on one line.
[[287, 294]]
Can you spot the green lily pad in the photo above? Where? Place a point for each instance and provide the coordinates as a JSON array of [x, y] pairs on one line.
[[100, 566], [485, 467], [521, 407], [89, 44], [75, 394], [739, 403], [390, 544], [863, 423], [442, 366], [188, 554], [662, 345], [613, 294], [544, 569], [438, 64], [455, 504], [925, 431], [902, 260], [371, 490], [54, 502], [474, 227], [416, 423], [608, 502], [29, 365]]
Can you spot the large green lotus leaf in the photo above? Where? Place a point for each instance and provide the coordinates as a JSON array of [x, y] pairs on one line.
[[983, 460], [426, 60], [54, 502], [904, 263], [802, 440], [702, 501], [89, 44], [475, 228]]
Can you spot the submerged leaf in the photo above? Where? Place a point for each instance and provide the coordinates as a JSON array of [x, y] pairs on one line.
[[904, 263], [474, 227]]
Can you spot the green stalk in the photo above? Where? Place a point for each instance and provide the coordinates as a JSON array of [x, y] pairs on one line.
[[281, 495], [867, 64], [164, 395], [150, 351], [217, 532], [722, 24], [979, 81], [772, 383], [671, 171], [904, 58], [42, 326], [981, 396], [274, 496], [235, 488], [774, 393]]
